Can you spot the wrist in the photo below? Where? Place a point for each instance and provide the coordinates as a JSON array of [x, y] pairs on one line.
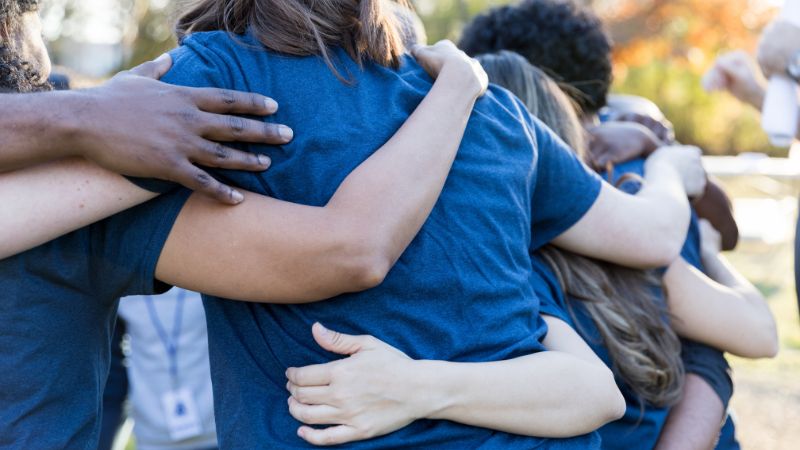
[[430, 380], [460, 75], [75, 127]]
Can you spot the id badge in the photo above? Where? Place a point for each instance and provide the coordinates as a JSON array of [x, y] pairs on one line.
[[180, 410]]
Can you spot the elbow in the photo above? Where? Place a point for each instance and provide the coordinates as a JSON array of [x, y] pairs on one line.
[[768, 344], [370, 271], [615, 401], [363, 261]]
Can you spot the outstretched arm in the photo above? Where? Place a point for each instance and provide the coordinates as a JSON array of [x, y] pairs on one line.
[[720, 308], [135, 125], [566, 391], [274, 251], [647, 229]]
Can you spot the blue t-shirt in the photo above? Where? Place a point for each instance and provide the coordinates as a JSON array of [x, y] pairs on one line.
[[461, 291], [58, 304], [699, 359], [640, 426]]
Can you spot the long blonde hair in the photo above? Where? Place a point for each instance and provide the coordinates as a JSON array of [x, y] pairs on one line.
[[623, 303]]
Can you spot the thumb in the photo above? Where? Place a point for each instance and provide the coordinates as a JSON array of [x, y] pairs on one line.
[[335, 342], [154, 69]]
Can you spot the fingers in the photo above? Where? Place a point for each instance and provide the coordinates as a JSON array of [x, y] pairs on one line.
[[214, 154], [309, 395], [314, 414], [223, 101], [329, 436], [153, 69], [199, 180], [335, 342], [233, 128], [314, 375]]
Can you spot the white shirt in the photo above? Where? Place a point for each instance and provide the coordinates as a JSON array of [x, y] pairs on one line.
[[149, 368]]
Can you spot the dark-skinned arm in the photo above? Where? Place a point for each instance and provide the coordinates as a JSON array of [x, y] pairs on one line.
[[135, 125]]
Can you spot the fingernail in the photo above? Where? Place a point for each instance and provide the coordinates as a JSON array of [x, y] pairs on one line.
[[264, 160], [164, 56], [237, 196], [271, 105], [322, 329], [286, 133]]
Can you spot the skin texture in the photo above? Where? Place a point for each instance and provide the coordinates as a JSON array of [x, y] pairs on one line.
[[694, 423], [720, 308], [183, 124], [567, 390], [655, 219]]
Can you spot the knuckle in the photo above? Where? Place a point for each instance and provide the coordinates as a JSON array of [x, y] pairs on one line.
[[236, 124], [220, 152], [203, 179], [227, 98]]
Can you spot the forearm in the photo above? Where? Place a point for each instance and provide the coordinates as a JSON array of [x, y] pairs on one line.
[[711, 312], [385, 201], [645, 230], [547, 394], [695, 422], [36, 128], [47, 201]]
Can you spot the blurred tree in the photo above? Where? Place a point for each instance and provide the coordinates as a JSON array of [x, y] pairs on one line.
[[662, 48]]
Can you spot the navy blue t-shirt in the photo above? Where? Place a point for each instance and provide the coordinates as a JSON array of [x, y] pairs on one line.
[[58, 303], [462, 291]]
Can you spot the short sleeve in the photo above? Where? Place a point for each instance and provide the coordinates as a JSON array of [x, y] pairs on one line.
[[552, 301], [565, 188], [709, 364], [125, 248]]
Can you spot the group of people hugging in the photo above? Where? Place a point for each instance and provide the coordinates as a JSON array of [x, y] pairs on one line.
[[444, 252]]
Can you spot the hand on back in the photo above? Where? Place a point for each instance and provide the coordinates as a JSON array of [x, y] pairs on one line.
[[137, 126], [686, 161], [618, 142], [444, 55], [362, 396]]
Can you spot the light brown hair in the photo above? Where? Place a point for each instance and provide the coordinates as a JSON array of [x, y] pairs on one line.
[[622, 302], [365, 29]]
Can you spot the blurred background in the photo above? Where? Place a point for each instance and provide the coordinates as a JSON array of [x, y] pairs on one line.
[[662, 48]]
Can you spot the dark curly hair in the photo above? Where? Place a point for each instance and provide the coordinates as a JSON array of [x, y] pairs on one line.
[[567, 41], [16, 74]]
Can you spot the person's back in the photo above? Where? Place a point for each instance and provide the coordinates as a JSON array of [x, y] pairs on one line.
[[461, 292]]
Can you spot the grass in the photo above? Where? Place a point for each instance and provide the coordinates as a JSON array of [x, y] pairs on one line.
[[766, 401]]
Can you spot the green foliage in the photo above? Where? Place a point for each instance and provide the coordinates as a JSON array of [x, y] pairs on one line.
[[717, 122]]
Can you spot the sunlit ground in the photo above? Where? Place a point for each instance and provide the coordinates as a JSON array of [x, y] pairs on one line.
[[766, 400]]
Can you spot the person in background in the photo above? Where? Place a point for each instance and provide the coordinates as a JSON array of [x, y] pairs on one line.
[[737, 73], [570, 44], [168, 349]]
